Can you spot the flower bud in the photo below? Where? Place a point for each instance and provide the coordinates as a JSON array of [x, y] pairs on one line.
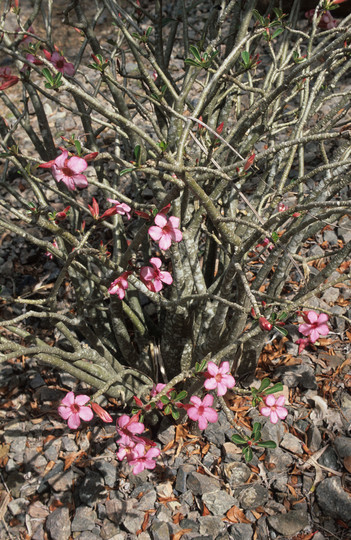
[[264, 324]]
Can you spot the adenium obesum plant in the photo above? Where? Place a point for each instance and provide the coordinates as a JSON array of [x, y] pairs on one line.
[[141, 452], [60, 62], [315, 325], [165, 231], [153, 277]]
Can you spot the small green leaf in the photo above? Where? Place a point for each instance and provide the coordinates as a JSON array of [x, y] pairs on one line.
[[164, 399], [237, 439], [126, 171], [47, 74], [191, 62], [282, 316], [175, 414], [277, 32], [248, 455], [78, 147], [267, 444], [256, 427], [195, 52], [148, 31], [168, 409], [181, 395], [264, 384], [137, 154], [275, 237], [275, 388], [282, 331], [246, 58]]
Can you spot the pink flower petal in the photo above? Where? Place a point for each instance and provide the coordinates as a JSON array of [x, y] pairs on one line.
[[68, 399], [82, 399], [161, 220], [73, 421], [270, 400], [155, 233], [165, 242], [207, 401], [77, 164], [212, 369], [64, 412], [86, 413]]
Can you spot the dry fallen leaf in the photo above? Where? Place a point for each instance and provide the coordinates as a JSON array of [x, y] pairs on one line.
[[347, 463], [235, 515]]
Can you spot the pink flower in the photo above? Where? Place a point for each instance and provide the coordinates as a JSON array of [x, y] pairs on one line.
[[314, 325], [153, 278], [141, 460], [274, 408], [128, 429], [119, 285], [68, 170], [201, 411], [33, 60], [219, 377], [26, 39], [60, 62], [72, 409], [165, 231], [122, 208]]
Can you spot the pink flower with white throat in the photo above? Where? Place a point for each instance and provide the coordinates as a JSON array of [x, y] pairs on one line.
[[218, 377], [314, 325], [129, 429], [141, 460], [274, 408], [152, 276], [121, 208], [73, 409], [200, 410], [165, 231], [119, 285]]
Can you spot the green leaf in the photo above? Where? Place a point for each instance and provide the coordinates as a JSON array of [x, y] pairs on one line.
[[175, 414], [181, 395], [246, 58], [282, 316], [264, 384], [282, 331], [203, 363], [47, 74], [195, 52], [237, 439], [137, 154], [256, 427], [164, 399], [248, 455], [126, 171], [277, 32], [191, 62], [78, 147], [148, 31], [275, 237], [168, 409], [258, 17], [275, 388], [267, 444]]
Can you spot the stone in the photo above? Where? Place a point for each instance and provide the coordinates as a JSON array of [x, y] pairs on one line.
[[231, 451], [344, 229], [236, 473], [133, 520], [58, 524], [87, 535], [182, 475], [61, 481], [108, 471], [159, 530], [147, 501], [333, 500], [116, 509], [331, 238], [301, 375], [68, 444], [252, 496], [201, 483], [211, 525], [343, 446], [272, 432], [14, 482], [18, 506], [218, 502], [110, 531], [291, 443], [90, 488], [84, 519], [316, 251], [314, 438], [289, 524], [329, 459], [216, 433], [241, 531]]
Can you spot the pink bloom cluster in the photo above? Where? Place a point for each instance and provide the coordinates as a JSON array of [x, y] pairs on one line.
[[140, 452], [315, 325], [274, 408], [219, 378], [156, 390], [120, 285], [121, 208], [201, 410]]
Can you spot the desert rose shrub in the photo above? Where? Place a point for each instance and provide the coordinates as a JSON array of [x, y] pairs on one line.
[[211, 142]]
